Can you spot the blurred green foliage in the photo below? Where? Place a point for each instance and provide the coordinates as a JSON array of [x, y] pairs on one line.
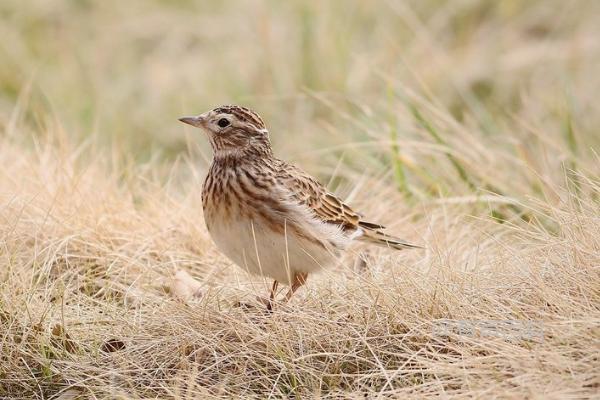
[[337, 79]]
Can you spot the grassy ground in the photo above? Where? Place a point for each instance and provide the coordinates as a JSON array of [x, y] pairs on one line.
[[470, 127]]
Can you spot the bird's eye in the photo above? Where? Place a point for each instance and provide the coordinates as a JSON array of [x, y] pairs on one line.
[[223, 122]]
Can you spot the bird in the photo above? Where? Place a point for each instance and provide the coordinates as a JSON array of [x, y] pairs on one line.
[[268, 216]]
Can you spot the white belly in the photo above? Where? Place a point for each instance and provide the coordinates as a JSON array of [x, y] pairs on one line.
[[261, 251]]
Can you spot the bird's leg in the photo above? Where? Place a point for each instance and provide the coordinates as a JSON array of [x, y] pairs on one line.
[[299, 280], [272, 295]]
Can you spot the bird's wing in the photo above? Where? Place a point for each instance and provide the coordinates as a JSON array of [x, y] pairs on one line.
[[327, 207]]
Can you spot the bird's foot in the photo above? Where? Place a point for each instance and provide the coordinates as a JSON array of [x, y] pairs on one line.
[[263, 304]]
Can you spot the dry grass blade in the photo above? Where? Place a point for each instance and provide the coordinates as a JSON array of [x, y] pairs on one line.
[[100, 198]]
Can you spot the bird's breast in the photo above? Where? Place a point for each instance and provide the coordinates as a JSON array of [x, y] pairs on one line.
[[233, 194]]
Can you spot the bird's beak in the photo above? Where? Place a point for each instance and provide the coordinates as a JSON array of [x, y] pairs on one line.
[[193, 121]]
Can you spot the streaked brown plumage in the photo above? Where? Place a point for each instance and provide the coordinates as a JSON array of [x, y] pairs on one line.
[[266, 215]]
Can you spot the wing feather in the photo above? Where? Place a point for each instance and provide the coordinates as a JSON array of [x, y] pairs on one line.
[[330, 209]]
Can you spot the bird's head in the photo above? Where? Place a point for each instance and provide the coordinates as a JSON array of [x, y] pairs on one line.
[[233, 130]]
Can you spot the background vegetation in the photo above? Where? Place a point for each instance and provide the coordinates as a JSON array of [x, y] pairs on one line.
[[468, 126]]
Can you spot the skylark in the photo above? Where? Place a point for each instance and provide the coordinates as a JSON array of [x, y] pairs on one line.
[[270, 217]]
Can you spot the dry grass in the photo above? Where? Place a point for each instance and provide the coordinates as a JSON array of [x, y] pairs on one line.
[[473, 124]]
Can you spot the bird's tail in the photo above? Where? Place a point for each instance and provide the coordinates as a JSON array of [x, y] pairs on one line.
[[383, 239]]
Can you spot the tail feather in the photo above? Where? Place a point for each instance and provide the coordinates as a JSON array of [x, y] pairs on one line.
[[385, 240], [370, 225]]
